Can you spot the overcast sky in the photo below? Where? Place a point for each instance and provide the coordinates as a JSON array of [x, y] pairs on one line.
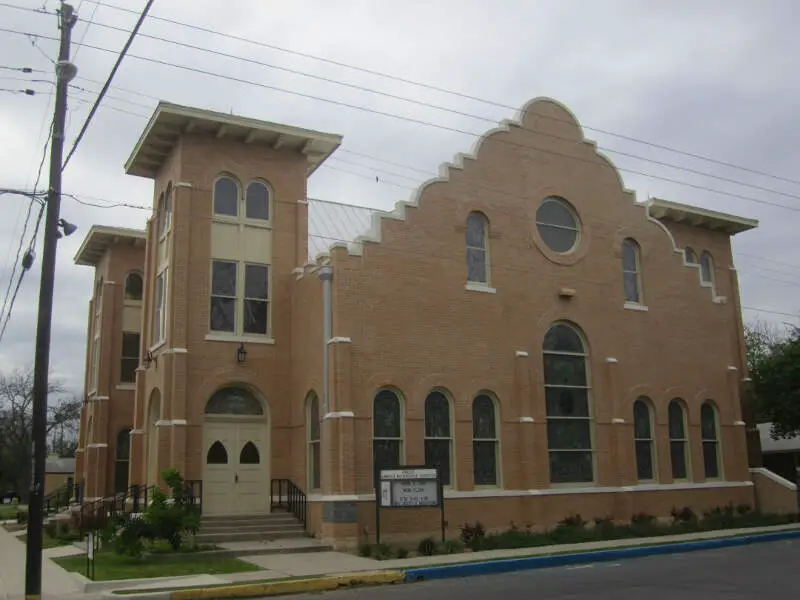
[[715, 78]]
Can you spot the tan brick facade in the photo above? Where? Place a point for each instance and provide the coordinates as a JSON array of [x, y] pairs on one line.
[[403, 319]]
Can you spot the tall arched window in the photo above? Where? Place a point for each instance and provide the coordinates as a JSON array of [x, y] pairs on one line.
[[678, 440], [438, 435], [690, 256], [257, 201], [569, 416], [226, 197], [121, 460], [485, 454], [631, 271], [477, 248], [133, 287], [313, 440], [387, 430], [709, 435], [643, 439], [707, 268]]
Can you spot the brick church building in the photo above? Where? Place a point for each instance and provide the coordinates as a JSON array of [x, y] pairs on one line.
[[521, 322]]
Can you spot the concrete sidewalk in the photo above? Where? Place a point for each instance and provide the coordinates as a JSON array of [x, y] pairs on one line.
[[56, 582]]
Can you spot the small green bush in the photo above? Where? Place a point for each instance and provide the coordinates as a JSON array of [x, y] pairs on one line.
[[365, 550], [573, 521], [402, 553], [472, 536], [427, 547], [22, 517], [51, 529], [64, 531], [452, 547], [382, 551]]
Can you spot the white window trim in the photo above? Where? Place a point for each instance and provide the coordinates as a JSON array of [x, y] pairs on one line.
[[651, 440], [635, 306], [402, 407], [472, 286], [241, 217], [485, 249], [717, 441], [498, 458], [160, 319], [238, 334], [685, 439], [450, 439], [637, 260]]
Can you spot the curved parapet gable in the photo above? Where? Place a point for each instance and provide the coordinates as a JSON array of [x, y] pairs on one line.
[[527, 117]]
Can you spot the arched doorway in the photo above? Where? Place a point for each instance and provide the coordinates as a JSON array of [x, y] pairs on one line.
[[236, 454], [153, 416]]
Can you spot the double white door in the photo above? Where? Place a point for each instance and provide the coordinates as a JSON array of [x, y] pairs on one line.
[[236, 476]]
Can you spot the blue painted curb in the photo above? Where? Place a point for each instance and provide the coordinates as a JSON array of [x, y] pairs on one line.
[[492, 567]]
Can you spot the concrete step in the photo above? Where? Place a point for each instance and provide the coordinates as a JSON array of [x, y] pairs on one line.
[[268, 518], [249, 536], [244, 528]]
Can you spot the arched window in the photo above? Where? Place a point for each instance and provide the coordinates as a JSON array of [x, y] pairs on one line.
[[133, 287], [477, 248], [313, 439], [690, 256], [643, 439], [234, 401], [569, 415], [217, 454], [438, 435], [165, 211], [121, 460], [387, 431], [708, 433], [226, 197], [249, 455], [257, 201], [631, 271], [678, 440], [485, 445], [707, 268]]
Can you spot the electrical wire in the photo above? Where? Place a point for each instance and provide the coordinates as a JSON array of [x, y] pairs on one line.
[[443, 90], [88, 25], [446, 128], [103, 91]]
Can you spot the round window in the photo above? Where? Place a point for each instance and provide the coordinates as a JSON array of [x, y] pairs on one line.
[[557, 225]]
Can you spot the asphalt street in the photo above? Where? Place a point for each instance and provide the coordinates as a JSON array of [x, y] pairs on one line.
[[758, 571]]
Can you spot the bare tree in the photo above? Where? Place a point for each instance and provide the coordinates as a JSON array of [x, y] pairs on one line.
[[16, 424]]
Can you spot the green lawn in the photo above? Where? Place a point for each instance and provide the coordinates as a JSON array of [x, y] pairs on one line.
[[113, 566], [9, 511]]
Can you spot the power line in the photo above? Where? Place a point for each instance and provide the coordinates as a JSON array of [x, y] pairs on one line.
[[88, 25], [771, 312], [103, 91], [777, 262], [445, 109], [6, 309], [445, 91], [440, 126], [21, 69]]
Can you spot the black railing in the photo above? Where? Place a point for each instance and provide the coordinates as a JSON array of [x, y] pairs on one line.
[[96, 513], [57, 499], [285, 494], [193, 490]]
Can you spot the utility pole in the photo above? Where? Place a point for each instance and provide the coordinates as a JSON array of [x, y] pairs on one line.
[[65, 71]]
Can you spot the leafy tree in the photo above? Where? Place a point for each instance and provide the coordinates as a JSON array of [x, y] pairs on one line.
[[776, 382], [16, 421]]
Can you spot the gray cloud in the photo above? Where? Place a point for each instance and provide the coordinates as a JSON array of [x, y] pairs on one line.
[[712, 78]]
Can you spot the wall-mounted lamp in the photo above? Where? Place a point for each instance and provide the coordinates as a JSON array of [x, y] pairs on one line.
[[148, 358], [241, 353]]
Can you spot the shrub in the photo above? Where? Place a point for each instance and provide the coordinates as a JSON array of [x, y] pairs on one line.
[[644, 525], [683, 515], [719, 517], [64, 531], [573, 521], [427, 547], [743, 509], [365, 550], [22, 517], [51, 529], [473, 536], [643, 518], [605, 528], [452, 547], [382, 551], [402, 553]]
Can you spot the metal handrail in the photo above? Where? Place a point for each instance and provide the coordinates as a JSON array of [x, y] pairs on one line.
[[285, 494]]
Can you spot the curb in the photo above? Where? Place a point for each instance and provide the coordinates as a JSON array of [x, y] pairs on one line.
[[269, 588], [540, 562]]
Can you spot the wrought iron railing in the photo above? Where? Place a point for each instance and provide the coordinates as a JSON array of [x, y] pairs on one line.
[[285, 494], [193, 489]]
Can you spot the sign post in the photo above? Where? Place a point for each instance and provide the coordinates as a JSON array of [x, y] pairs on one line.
[[408, 487]]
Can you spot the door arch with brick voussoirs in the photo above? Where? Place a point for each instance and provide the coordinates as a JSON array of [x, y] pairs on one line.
[[236, 453]]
